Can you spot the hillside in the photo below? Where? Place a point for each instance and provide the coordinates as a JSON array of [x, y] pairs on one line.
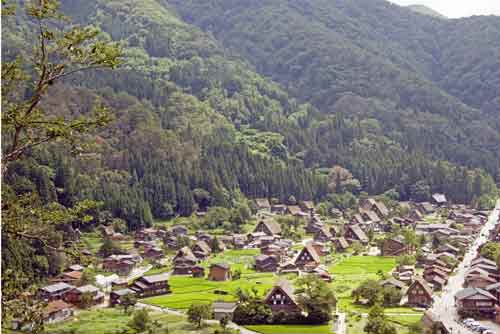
[[425, 10]]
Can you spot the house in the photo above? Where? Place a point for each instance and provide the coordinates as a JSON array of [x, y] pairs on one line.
[[479, 281], [432, 325], [393, 283], [426, 208], [120, 264], [76, 296], [201, 249], [449, 249], [223, 310], [281, 298], [394, 247], [380, 209], [198, 271], [239, 240], [336, 231], [76, 267], [419, 293], [494, 289], [415, 215], [266, 263], [439, 199], [307, 207], [313, 225], [273, 250], [370, 216], [319, 247], [482, 260], [153, 253], [357, 219], [115, 297], [56, 311], [268, 227], [307, 258], [54, 291], [474, 301], [295, 211], [178, 230], [153, 285], [323, 235], [367, 203], [289, 268], [146, 234], [262, 204], [341, 244], [219, 272], [184, 261], [279, 209], [322, 273], [355, 233]]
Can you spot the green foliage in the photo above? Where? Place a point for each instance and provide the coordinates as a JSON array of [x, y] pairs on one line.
[[378, 322], [140, 320], [197, 313], [109, 247], [315, 297]]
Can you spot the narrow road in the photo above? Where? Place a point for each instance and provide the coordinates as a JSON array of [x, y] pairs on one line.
[[341, 326], [444, 305]]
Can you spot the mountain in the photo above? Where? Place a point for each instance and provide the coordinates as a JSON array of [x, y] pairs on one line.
[[425, 10]]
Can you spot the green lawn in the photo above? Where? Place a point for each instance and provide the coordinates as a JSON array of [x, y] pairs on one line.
[[241, 259], [356, 324], [291, 329], [114, 321], [92, 241], [188, 290]]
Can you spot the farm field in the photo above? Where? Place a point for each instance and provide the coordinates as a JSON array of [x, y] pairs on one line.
[[291, 329], [112, 321], [356, 324], [186, 289]]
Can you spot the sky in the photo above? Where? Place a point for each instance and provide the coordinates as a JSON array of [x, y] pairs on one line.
[[457, 8]]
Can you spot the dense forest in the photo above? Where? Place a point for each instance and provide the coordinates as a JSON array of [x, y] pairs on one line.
[[215, 99]]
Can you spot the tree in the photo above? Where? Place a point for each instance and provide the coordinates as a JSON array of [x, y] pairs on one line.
[[127, 301], [315, 297], [369, 290], [224, 321], [140, 320], [86, 299], [109, 247], [197, 312], [377, 322]]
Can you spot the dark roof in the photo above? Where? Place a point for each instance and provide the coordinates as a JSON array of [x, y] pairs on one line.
[[204, 246], [87, 288], [272, 226], [186, 253], [57, 287], [310, 249], [285, 286], [360, 234], [156, 278], [224, 266], [424, 284], [123, 292], [394, 282], [56, 306], [474, 293]]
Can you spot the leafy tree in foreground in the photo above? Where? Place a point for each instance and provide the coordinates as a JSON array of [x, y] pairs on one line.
[[378, 323], [315, 298], [197, 312]]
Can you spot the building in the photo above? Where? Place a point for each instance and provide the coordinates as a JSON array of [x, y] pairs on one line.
[[153, 285], [341, 244], [201, 249], [76, 296], [266, 263], [474, 301], [115, 297], [179, 230], [223, 309], [307, 207], [392, 283], [323, 235], [153, 253], [281, 298], [146, 234], [394, 247], [262, 204], [355, 233], [439, 199], [54, 291], [120, 264], [432, 325], [419, 293], [308, 258], [184, 261], [219, 272], [268, 227], [198, 271], [57, 311]]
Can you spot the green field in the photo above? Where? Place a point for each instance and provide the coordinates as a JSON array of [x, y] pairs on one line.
[[113, 321], [291, 329], [356, 324], [239, 259], [92, 241], [188, 290]]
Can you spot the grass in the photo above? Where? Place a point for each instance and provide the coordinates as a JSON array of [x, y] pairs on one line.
[[113, 321], [92, 241], [239, 259], [291, 329], [188, 290], [356, 325]]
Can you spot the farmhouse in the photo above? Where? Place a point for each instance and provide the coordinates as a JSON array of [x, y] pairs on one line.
[[201, 249], [115, 297], [262, 204], [178, 230], [219, 272], [307, 206], [184, 261], [120, 264], [146, 234], [198, 271], [439, 199], [392, 282], [307, 258], [341, 244], [281, 298], [55, 291], [223, 309], [419, 293], [474, 300], [323, 235], [75, 296], [355, 233], [56, 311], [394, 247], [152, 285], [268, 227], [153, 253], [266, 263]]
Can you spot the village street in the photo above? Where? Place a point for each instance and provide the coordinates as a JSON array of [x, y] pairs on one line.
[[444, 305]]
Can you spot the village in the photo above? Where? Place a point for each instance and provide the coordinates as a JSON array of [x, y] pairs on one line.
[[411, 258]]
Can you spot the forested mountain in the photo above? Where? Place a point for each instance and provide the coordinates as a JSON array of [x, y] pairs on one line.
[[421, 9], [430, 76]]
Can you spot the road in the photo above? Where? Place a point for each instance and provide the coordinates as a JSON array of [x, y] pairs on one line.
[[444, 305], [341, 327]]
